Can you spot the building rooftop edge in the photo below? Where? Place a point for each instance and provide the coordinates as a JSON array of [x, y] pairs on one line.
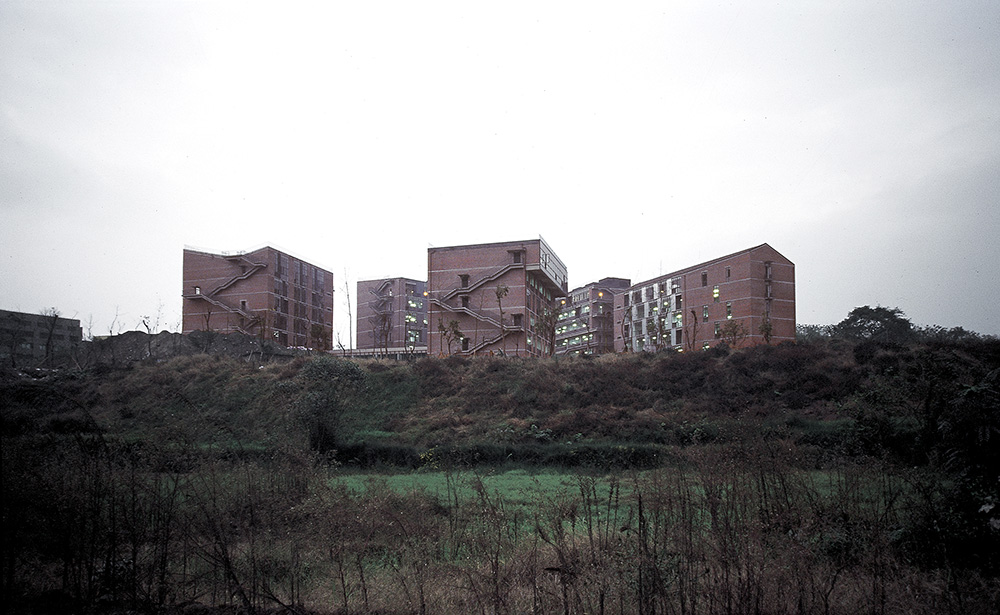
[[709, 263], [257, 248], [490, 243]]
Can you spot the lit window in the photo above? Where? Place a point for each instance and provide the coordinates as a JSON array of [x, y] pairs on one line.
[[715, 294], [704, 313], [729, 309]]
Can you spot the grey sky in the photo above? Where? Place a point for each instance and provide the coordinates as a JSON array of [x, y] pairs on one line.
[[860, 139]]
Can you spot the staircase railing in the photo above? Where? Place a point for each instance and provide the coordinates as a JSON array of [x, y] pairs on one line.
[[496, 274], [242, 276]]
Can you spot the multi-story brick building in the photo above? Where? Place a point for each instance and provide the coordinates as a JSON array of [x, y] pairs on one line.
[[494, 298], [37, 339], [264, 292], [392, 316], [742, 299], [585, 322]]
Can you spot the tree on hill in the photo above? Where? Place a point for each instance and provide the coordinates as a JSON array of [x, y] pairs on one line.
[[327, 386], [734, 333], [880, 324]]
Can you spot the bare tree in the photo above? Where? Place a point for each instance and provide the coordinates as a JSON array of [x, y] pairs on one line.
[[501, 292], [626, 331], [340, 342], [116, 325], [694, 330], [734, 333], [152, 326], [383, 307], [88, 329], [350, 314], [660, 333], [546, 329], [766, 329], [51, 320], [450, 332]]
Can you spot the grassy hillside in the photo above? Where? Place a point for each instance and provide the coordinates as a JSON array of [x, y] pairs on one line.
[[835, 398], [832, 477]]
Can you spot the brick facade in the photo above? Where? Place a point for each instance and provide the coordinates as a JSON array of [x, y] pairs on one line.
[[28, 340], [265, 292], [464, 314], [392, 316], [728, 299], [586, 318]]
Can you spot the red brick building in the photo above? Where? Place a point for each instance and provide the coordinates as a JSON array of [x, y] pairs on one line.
[[585, 322], [264, 292], [495, 297], [742, 299], [392, 316]]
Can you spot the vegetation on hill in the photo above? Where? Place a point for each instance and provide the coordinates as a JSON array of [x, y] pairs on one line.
[[857, 470]]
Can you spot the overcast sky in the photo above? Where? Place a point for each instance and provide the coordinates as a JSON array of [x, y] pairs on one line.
[[860, 139]]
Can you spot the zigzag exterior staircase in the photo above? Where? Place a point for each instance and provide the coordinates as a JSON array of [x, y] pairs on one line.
[[496, 274], [209, 297], [380, 305], [504, 329]]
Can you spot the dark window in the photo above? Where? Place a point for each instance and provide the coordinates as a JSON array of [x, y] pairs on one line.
[[464, 279], [465, 301], [465, 343], [704, 313], [517, 257], [704, 278], [728, 273], [518, 319]]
